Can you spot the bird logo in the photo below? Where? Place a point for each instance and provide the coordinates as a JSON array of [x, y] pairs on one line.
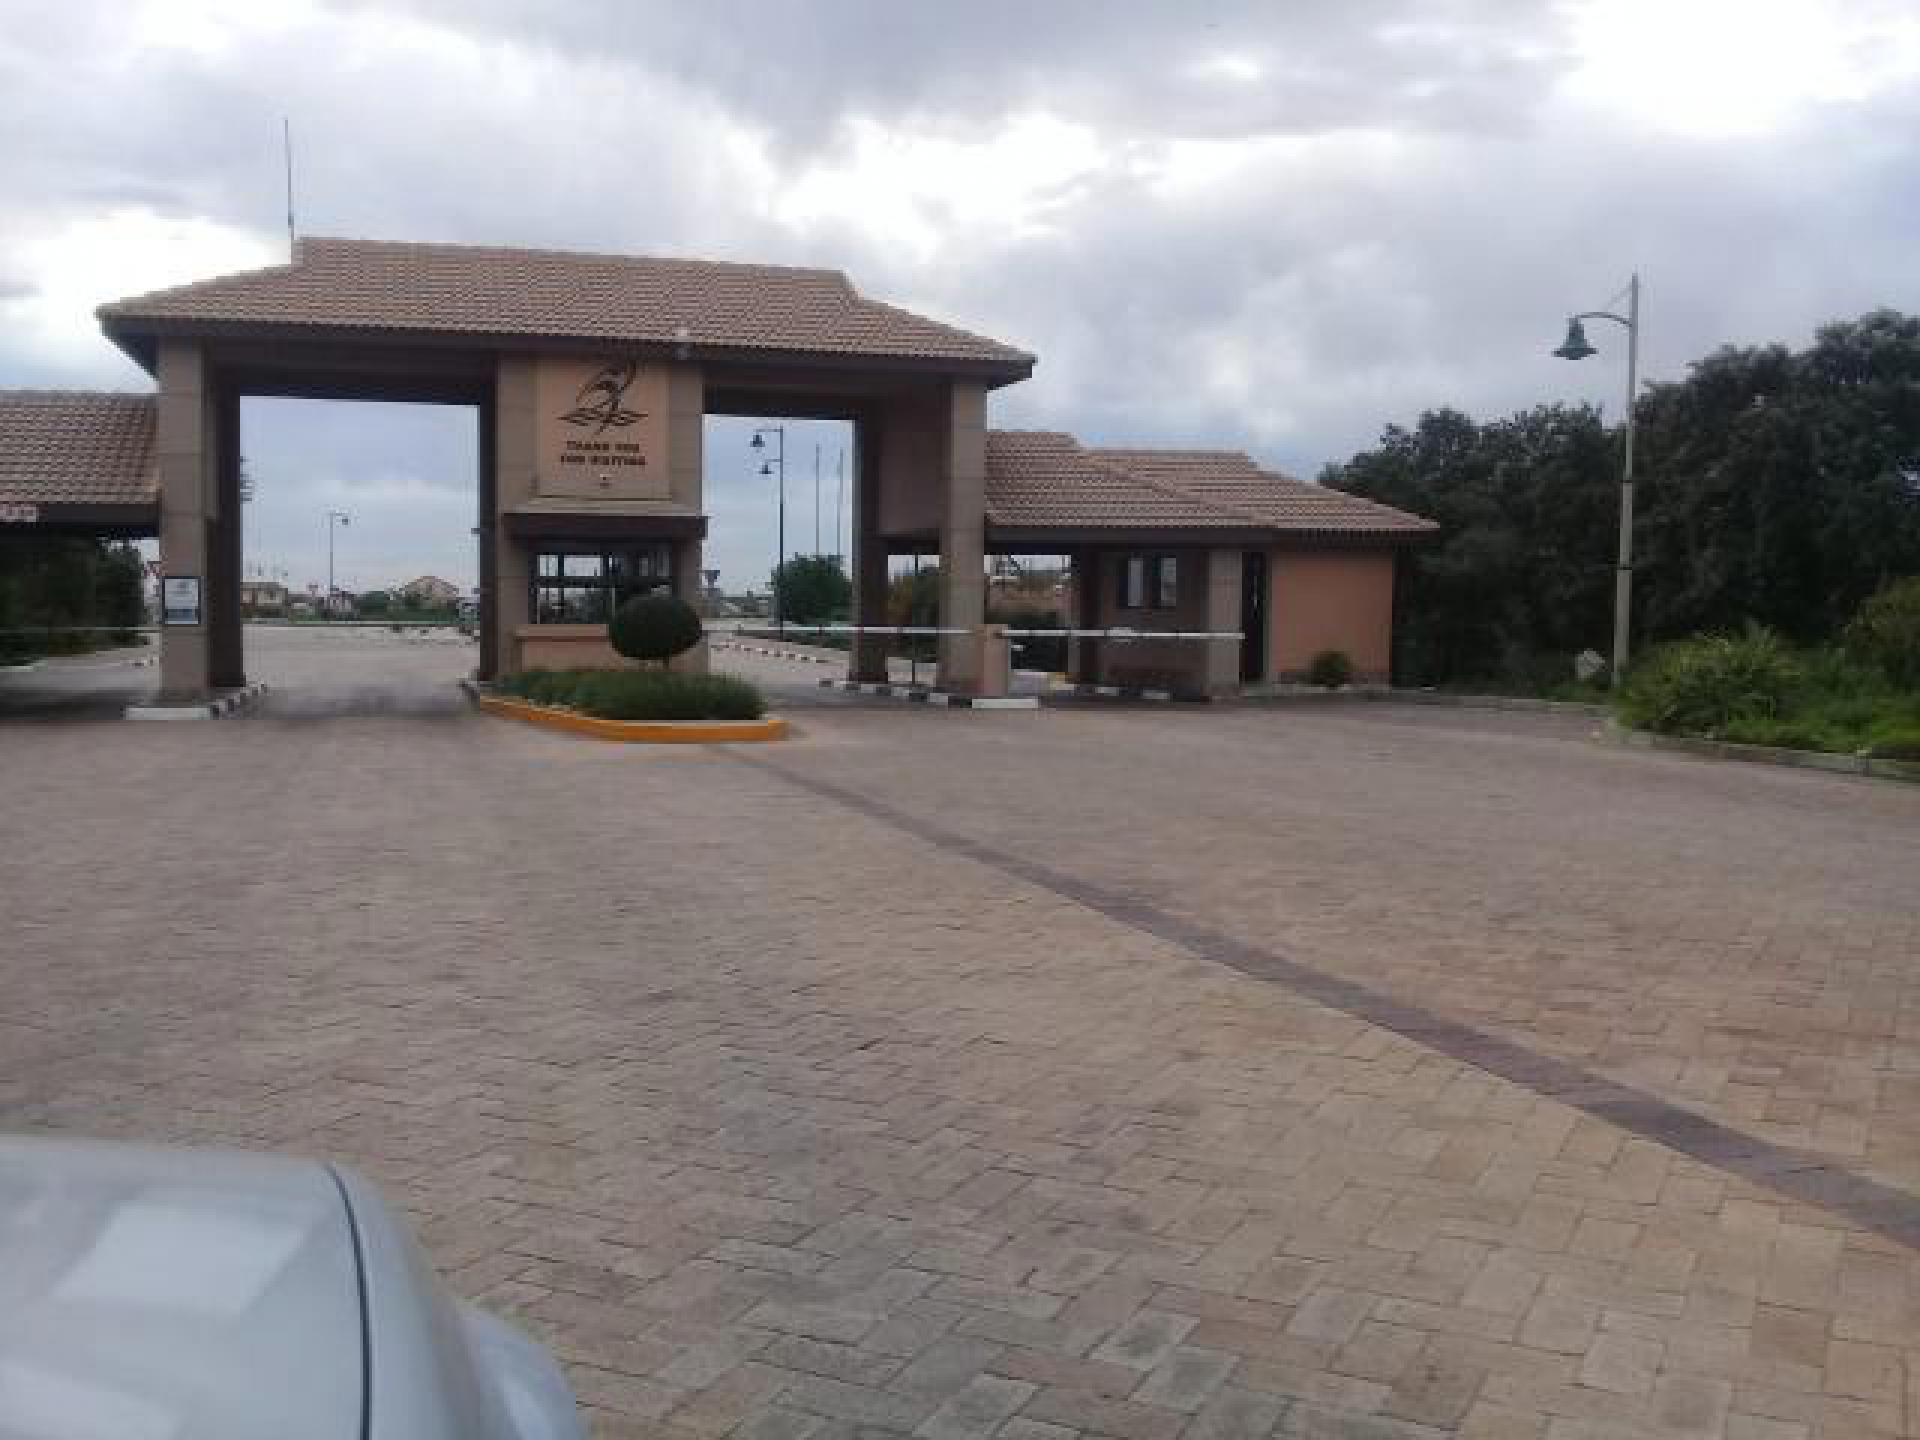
[[600, 401]]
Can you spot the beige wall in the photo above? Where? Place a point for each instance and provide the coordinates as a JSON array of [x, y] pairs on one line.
[[585, 647], [913, 454], [1334, 601], [528, 442]]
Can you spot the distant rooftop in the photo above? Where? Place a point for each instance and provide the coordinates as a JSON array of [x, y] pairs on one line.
[[378, 286], [1042, 480]]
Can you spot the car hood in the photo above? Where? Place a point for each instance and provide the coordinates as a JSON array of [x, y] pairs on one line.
[[153, 1294]]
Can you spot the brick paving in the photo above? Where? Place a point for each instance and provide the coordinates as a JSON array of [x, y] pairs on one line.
[[918, 1077]]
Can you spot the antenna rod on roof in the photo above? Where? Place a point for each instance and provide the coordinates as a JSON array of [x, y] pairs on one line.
[[286, 144]]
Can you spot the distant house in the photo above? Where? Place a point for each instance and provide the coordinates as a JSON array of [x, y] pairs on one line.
[[429, 591], [262, 597]]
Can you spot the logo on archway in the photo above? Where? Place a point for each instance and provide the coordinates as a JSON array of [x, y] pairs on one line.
[[601, 403]]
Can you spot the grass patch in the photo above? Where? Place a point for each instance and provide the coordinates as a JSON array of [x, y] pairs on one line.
[[639, 694], [1753, 689]]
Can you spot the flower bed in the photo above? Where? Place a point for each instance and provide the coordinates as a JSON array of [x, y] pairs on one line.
[[638, 694]]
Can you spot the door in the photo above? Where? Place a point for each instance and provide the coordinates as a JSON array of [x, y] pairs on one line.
[[1253, 615]]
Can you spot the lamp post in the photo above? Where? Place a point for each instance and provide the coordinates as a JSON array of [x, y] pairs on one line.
[[776, 466], [1575, 347], [334, 517]]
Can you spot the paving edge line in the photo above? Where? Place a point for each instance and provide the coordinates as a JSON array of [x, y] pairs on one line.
[[1831, 764], [216, 709], [1805, 1176], [638, 732], [940, 698]]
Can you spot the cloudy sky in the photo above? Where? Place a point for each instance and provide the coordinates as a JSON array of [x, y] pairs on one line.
[[1275, 225]]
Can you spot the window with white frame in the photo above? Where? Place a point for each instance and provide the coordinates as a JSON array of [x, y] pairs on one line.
[[1149, 582]]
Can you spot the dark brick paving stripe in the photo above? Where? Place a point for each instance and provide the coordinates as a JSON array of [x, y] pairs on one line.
[[1797, 1174]]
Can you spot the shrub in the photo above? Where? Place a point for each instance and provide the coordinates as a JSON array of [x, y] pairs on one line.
[[1704, 685], [639, 694], [1886, 632], [1902, 743], [657, 695], [654, 627], [1331, 669]]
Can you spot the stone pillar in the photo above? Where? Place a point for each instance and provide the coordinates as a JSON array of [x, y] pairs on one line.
[[686, 440], [1221, 672], [226, 649], [867, 657], [184, 440], [515, 437], [487, 524], [963, 535]]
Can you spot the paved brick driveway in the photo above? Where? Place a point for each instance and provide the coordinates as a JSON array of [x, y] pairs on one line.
[[1091, 1072]]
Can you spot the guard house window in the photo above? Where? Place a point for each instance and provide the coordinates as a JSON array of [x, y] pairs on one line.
[[1150, 582], [575, 585]]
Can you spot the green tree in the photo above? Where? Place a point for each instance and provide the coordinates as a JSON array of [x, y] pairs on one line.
[[374, 602], [813, 589], [1777, 487]]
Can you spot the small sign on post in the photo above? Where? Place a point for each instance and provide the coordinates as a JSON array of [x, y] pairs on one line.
[[180, 600]]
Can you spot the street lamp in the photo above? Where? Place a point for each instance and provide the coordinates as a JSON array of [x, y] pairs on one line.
[[776, 466], [1575, 347], [334, 517]]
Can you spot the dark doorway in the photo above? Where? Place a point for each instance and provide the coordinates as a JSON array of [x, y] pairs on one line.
[[1253, 615]]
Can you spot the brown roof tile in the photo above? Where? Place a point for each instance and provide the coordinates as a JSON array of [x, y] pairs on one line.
[[1042, 479], [1228, 477], [66, 447], [382, 285], [1045, 480]]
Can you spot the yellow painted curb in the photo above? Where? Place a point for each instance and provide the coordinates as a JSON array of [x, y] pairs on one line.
[[642, 732]]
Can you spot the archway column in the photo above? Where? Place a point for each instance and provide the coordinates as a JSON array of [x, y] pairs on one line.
[[962, 486], [196, 446]]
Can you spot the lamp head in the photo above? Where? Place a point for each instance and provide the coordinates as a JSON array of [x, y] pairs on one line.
[[766, 468], [1575, 346], [759, 441]]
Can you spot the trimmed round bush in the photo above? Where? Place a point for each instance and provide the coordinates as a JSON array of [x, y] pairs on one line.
[[1331, 669], [654, 627], [1705, 685]]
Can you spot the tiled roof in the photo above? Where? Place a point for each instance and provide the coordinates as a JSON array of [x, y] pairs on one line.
[[1227, 477], [1044, 480], [381, 285], [1041, 479], [66, 447]]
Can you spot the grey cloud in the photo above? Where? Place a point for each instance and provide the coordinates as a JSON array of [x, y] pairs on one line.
[[1125, 66]]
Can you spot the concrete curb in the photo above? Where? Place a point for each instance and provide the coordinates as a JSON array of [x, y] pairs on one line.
[[1866, 765], [779, 654], [637, 732], [917, 695], [1521, 703], [1129, 692], [218, 708]]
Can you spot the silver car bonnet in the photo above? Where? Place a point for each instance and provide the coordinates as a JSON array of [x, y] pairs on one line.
[[153, 1294]]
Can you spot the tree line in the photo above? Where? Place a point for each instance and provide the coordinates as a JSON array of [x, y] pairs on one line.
[[52, 585], [1774, 486]]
